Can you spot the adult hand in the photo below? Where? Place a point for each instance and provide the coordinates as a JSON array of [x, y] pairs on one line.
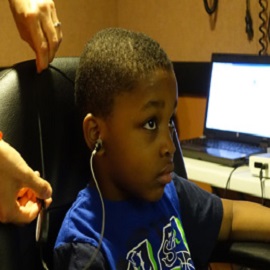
[[20, 188], [38, 25]]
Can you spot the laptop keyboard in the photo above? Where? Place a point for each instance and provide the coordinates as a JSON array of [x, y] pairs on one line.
[[225, 145]]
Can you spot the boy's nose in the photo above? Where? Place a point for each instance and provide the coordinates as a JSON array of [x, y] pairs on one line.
[[167, 147]]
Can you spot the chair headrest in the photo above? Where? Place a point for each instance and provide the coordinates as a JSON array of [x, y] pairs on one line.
[[39, 119]]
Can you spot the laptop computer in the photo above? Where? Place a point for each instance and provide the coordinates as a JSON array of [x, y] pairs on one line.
[[237, 112]]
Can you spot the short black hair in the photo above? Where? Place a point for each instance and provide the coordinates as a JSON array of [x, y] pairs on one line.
[[113, 61]]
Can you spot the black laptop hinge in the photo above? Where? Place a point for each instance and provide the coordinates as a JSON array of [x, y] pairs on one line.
[[264, 144]]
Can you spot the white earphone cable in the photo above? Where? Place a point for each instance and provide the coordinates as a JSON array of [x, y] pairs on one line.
[[103, 212]]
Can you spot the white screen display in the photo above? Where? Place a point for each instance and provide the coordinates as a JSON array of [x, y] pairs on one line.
[[239, 98]]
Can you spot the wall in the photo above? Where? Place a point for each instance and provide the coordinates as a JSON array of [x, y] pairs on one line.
[[182, 27], [80, 20], [188, 33]]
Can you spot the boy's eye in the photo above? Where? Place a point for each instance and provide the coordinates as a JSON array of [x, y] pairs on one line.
[[151, 124]]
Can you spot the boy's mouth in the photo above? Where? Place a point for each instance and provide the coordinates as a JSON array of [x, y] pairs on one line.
[[165, 177]]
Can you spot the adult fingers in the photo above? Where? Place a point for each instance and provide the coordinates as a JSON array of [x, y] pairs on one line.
[[21, 212], [41, 188], [51, 29], [38, 41], [27, 212], [47, 202], [55, 31]]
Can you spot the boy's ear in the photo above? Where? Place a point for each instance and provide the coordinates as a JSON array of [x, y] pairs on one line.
[[91, 130]]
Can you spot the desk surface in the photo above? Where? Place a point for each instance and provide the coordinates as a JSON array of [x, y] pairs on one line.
[[217, 175]]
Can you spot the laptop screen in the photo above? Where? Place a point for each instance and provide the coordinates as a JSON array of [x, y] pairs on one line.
[[239, 95]]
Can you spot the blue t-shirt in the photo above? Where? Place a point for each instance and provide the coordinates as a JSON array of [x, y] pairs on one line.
[[138, 234]]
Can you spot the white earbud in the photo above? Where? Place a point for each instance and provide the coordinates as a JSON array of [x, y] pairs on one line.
[[98, 144]]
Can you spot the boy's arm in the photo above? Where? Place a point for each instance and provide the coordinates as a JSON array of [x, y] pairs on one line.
[[245, 221], [76, 256]]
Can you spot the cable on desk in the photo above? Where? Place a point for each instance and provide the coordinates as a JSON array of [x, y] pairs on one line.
[[262, 185], [229, 180], [262, 167]]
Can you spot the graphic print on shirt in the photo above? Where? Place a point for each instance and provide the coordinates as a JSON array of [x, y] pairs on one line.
[[173, 252]]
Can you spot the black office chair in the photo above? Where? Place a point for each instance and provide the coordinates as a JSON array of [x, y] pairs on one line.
[[39, 119]]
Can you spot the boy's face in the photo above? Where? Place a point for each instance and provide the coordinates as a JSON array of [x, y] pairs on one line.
[[138, 140]]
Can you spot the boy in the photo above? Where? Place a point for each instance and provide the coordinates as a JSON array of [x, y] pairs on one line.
[[136, 213]]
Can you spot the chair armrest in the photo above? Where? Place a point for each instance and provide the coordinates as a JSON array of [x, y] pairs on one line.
[[249, 254]]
